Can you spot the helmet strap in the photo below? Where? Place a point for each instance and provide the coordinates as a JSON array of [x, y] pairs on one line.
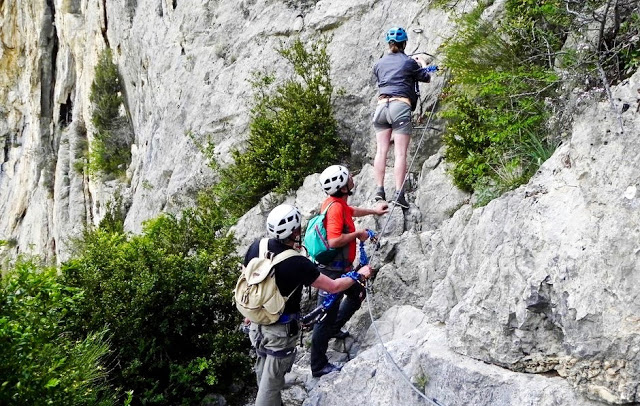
[[294, 241]]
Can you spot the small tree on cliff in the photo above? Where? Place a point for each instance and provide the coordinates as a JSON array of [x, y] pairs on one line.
[[111, 146], [293, 132]]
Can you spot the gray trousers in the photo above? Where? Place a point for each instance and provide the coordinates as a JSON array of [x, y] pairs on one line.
[[276, 353]]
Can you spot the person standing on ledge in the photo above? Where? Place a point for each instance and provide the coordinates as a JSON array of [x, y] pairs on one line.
[[275, 343], [397, 76], [338, 184]]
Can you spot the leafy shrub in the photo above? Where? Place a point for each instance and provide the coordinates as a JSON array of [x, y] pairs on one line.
[[494, 101], [11, 242], [505, 83], [111, 147], [113, 220], [293, 132], [165, 296], [39, 362]]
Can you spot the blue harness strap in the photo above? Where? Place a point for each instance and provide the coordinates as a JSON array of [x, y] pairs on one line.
[[288, 318], [319, 312]]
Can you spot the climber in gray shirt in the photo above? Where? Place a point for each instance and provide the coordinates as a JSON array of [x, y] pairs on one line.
[[397, 75]]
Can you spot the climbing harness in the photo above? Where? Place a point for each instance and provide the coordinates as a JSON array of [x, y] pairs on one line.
[[369, 285]]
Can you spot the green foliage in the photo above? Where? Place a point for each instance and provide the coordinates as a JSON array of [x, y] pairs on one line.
[[111, 147], [494, 100], [113, 220], [537, 29], [293, 132], [505, 83], [165, 296], [421, 380], [39, 362], [11, 243], [105, 93]]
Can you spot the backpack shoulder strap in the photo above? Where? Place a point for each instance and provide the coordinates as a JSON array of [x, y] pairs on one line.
[[264, 247], [344, 217], [284, 255], [327, 209], [281, 257]]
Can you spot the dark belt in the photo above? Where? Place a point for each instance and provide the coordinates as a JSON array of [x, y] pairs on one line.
[[278, 354]]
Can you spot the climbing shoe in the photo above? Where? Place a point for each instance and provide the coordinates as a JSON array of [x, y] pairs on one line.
[[340, 334], [398, 199], [379, 194], [326, 370]]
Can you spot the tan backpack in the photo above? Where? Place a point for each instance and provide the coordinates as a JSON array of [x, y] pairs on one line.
[[256, 295]]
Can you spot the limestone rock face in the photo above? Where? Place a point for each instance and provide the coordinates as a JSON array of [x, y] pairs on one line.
[[552, 267], [541, 280], [184, 66], [421, 351]]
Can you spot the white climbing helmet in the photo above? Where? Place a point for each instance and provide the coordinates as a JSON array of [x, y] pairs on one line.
[[333, 178], [282, 221]]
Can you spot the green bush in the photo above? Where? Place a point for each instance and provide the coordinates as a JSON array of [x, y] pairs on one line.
[[113, 220], [111, 147], [494, 101], [40, 363], [166, 298], [505, 83], [293, 132]]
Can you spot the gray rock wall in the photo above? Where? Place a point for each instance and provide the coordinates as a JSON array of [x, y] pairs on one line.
[[541, 280], [184, 65], [421, 351], [553, 266]]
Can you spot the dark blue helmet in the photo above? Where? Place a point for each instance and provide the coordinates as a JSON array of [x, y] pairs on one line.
[[397, 34]]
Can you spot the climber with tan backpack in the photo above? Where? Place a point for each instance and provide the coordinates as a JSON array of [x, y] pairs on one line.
[[268, 294]]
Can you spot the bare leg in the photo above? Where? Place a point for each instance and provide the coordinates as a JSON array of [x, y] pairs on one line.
[[380, 161], [401, 145]]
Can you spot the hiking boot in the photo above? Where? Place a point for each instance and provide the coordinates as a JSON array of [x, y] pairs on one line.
[[379, 194], [326, 370], [340, 334], [398, 199]]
